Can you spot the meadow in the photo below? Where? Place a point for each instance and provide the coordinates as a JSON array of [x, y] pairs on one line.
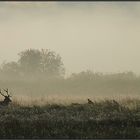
[[102, 119]]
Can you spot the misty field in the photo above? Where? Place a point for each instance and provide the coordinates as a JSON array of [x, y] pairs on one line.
[[48, 104], [58, 107], [69, 70], [102, 119]]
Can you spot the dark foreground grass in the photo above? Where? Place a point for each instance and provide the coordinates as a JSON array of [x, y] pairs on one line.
[[105, 119]]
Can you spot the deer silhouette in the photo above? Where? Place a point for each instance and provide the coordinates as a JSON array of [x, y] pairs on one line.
[[7, 99], [90, 102]]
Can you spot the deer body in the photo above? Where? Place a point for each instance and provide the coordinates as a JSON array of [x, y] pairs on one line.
[[5, 102]]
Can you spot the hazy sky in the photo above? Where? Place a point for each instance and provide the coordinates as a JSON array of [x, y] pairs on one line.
[[99, 36]]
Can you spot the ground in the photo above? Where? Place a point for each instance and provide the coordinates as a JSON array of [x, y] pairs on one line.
[[103, 119]]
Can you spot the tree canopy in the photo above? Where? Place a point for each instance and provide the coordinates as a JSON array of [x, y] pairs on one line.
[[32, 61]]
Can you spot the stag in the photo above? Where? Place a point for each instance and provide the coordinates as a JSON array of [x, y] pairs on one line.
[[7, 99]]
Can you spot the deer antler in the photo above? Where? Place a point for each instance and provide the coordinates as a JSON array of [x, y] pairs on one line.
[[2, 93], [6, 90]]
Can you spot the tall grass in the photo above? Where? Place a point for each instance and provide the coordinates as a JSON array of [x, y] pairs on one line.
[[102, 119]]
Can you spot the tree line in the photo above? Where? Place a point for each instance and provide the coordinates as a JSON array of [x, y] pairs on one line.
[[33, 62], [45, 64]]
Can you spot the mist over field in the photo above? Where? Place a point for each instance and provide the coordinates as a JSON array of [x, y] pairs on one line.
[[69, 70], [98, 43]]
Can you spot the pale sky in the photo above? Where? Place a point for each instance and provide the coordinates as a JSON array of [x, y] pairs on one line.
[[99, 36]]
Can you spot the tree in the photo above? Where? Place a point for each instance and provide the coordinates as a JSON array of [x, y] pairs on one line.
[[10, 69], [51, 63], [44, 62], [29, 61], [33, 62]]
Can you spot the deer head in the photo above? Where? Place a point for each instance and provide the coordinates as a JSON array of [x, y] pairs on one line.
[[7, 99]]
